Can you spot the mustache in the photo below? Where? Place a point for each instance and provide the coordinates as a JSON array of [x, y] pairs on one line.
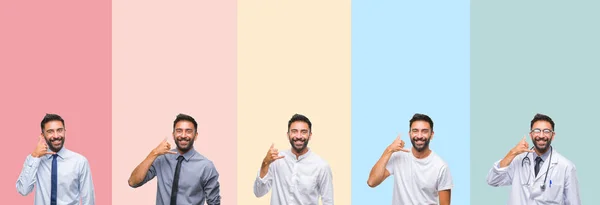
[[55, 139], [298, 139]]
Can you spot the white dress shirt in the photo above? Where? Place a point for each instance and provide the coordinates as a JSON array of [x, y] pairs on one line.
[[297, 181], [561, 185], [74, 179]]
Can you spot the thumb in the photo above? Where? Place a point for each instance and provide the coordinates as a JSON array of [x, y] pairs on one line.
[[399, 135], [272, 145], [41, 138]]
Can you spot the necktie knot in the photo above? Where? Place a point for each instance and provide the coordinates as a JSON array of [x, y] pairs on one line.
[[54, 156], [180, 158], [538, 160]]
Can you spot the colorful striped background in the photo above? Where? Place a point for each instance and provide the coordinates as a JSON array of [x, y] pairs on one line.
[[120, 71]]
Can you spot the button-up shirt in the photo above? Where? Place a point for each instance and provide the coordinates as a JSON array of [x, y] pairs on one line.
[[297, 180], [74, 180], [198, 179]]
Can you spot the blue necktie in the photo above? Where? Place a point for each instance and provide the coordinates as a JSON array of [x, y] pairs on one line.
[[54, 180]]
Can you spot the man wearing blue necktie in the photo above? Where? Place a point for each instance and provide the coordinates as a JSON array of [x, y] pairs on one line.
[[60, 175]]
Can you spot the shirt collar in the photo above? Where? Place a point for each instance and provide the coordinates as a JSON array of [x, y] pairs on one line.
[[187, 156], [61, 153], [544, 156], [305, 155]]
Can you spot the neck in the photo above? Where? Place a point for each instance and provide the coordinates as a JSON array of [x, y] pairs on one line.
[[422, 154], [183, 152], [540, 152], [298, 154]]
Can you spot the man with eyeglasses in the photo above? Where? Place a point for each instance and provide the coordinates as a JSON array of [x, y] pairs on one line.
[[184, 175], [539, 175], [297, 176], [420, 175], [60, 175]]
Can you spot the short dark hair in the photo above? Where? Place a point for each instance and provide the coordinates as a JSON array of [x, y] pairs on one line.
[[51, 117], [421, 117], [185, 117], [541, 117], [299, 117]]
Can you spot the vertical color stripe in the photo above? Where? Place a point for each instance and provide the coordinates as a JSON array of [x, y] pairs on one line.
[[409, 57], [171, 58], [534, 57], [55, 58], [294, 57]]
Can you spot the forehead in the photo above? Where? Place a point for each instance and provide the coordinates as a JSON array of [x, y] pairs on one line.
[[184, 124], [54, 124], [542, 124], [299, 125], [420, 124]]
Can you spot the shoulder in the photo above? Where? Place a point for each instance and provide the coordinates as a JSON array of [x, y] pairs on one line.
[[319, 161], [563, 161], [76, 156], [438, 161], [203, 160]]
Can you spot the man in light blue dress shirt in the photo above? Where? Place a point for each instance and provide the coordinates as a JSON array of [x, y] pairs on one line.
[[60, 175], [184, 175]]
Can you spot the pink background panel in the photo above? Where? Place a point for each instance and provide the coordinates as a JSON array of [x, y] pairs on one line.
[[55, 57], [172, 57]]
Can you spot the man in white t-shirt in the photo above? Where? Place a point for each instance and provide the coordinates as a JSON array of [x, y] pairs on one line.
[[420, 175]]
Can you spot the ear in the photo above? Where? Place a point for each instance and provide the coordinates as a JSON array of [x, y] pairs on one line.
[[432, 134], [553, 135]]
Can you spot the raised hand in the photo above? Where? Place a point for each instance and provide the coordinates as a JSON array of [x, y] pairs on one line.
[[521, 147], [163, 148], [41, 149], [272, 155], [397, 145]]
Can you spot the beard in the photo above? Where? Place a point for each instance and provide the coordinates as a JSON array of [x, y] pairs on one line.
[[55, 148], [299, 149], [542, 148], [184, 148], [422, 147]]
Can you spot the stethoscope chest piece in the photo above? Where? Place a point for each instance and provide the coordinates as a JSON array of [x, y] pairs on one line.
[[543, 187]]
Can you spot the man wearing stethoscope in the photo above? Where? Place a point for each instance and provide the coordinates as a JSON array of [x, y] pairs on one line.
[[539, 175]]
